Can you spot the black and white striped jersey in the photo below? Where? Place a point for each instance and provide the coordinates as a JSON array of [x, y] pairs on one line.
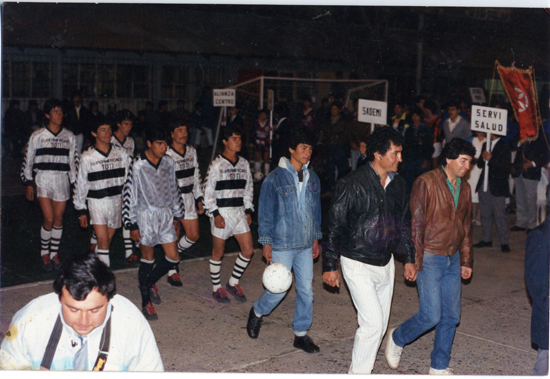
[[47, 151], [187, 171], [150, 186], [100, 175], [228, 185], [128, 144]]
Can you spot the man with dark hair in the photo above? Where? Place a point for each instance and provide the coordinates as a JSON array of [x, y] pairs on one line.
[[98, 188], [289, 218], [77, 120], [369, 220], [189, 184], [335, 142], [281, 132], [152, 209], [93, 329], [442, 235], [51, 162], [417, 148], [456, 126], [228, 193]]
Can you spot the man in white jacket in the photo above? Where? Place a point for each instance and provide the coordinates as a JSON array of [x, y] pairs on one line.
[[83, 326]]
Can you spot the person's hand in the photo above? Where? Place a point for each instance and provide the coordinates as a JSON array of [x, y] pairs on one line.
[[315, 249], [486, 155], [249, 219], [410, 272], [135, 236], [29, 193], [83, 220], [527, 165], [332, 278], [266, 252], [466, 272], [201, 208], [219, 222]]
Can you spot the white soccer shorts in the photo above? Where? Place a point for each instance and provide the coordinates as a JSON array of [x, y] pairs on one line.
[[189, 206], [156, 226], [235, 223], [106, 211], [53, 185]]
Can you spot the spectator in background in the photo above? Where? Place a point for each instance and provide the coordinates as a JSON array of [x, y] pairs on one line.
[[33, 118], [417, 148], [473, 175], [14, 137], [163, 116], [335, 142], [432, 119], [201, 124], [261, 138], [111, 109], [308, 118], [537, 251], [281, 134], [77, 119], [180, 112], [362, 160], [357, 131], [94, 110], [323, 113], [455, 126], [399, 120]]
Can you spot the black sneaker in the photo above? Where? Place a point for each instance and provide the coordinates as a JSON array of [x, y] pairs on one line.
[[46, 263], [505, 248], [55, 262], [154, 294], [254, 324], [306, 344]]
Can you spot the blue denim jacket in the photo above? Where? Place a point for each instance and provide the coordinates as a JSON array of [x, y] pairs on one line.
[[284, 223]]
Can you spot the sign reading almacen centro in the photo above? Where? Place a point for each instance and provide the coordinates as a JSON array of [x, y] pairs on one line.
[[372, 111], [224, 97], [489, 120]]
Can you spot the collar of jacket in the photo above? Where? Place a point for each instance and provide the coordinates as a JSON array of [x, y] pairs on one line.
[[392, 175]]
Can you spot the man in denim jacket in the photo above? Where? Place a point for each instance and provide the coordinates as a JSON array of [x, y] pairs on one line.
[[289, 228]]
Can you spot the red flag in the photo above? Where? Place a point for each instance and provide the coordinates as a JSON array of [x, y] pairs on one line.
[[519, 87]]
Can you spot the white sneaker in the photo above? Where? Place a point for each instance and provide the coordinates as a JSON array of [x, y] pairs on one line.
[[393, 352], [445, 371]]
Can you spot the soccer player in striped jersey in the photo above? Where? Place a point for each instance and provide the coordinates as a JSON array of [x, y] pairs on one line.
[[152, 209], [228, 194], [189, 185], [52, 155], [101, 176]]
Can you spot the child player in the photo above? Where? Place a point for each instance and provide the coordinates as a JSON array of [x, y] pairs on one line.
[[152, 210], [228, 193], [52, 155], [101, 175], [189, 185], [121, 138]]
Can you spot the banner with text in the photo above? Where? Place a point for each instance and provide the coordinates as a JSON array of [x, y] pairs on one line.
[[372, 111], [224, 97], [489, 120]]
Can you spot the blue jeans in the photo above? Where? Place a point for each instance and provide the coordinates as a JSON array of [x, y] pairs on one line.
[[439, 289], [301, 262]]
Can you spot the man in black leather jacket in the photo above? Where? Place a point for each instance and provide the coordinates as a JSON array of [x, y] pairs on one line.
[[369, 220]]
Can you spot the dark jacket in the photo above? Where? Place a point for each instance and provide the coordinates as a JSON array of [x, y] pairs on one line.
[[367, 223], [499, 168], [419, 143], [279, 144], [536, 151], [437, 227], [537, 251], [79, 125]]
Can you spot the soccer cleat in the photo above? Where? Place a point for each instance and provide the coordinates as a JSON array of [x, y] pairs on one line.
[[154, 294], [306, 344], [220, 296], [253, 324], [46, 264], [445, 371], [149, 312], [132, 260], [55, 262], [393, 352], [236, 291], [175, 280]]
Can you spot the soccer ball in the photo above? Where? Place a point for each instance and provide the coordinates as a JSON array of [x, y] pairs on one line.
[[277, 278]]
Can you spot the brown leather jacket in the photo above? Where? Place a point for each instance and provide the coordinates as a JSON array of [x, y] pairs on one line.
[[436, 226]]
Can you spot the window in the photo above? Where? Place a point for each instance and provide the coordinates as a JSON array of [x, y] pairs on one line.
[[132, 81], [21, 79], [106, 80], [70, 79], [41, 80], [87, 74], [174, 82]]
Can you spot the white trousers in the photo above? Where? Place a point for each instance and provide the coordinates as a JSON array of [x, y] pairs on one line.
[[371, 289]]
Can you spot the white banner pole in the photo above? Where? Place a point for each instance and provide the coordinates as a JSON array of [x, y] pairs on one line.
[[486, 174]]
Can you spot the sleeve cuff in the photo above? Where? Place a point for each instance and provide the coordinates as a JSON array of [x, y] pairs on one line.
[[81, 212], [199, 199], [215, 213], [132, 227], [265, 241], [248, 211]]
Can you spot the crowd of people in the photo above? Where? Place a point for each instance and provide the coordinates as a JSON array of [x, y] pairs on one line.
[[410, 192]]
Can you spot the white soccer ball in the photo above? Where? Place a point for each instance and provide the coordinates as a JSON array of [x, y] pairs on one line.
[[258, 175], [277, 278]]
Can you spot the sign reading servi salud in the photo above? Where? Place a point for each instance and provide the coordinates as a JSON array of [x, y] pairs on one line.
[[489, 120]]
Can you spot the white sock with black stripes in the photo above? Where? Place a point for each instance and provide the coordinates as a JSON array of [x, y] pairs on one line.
[[128, 250], [184, 244], [55, 241], [93, 239], [103, 256], [240, 265], [215, 273], [45, 237]]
